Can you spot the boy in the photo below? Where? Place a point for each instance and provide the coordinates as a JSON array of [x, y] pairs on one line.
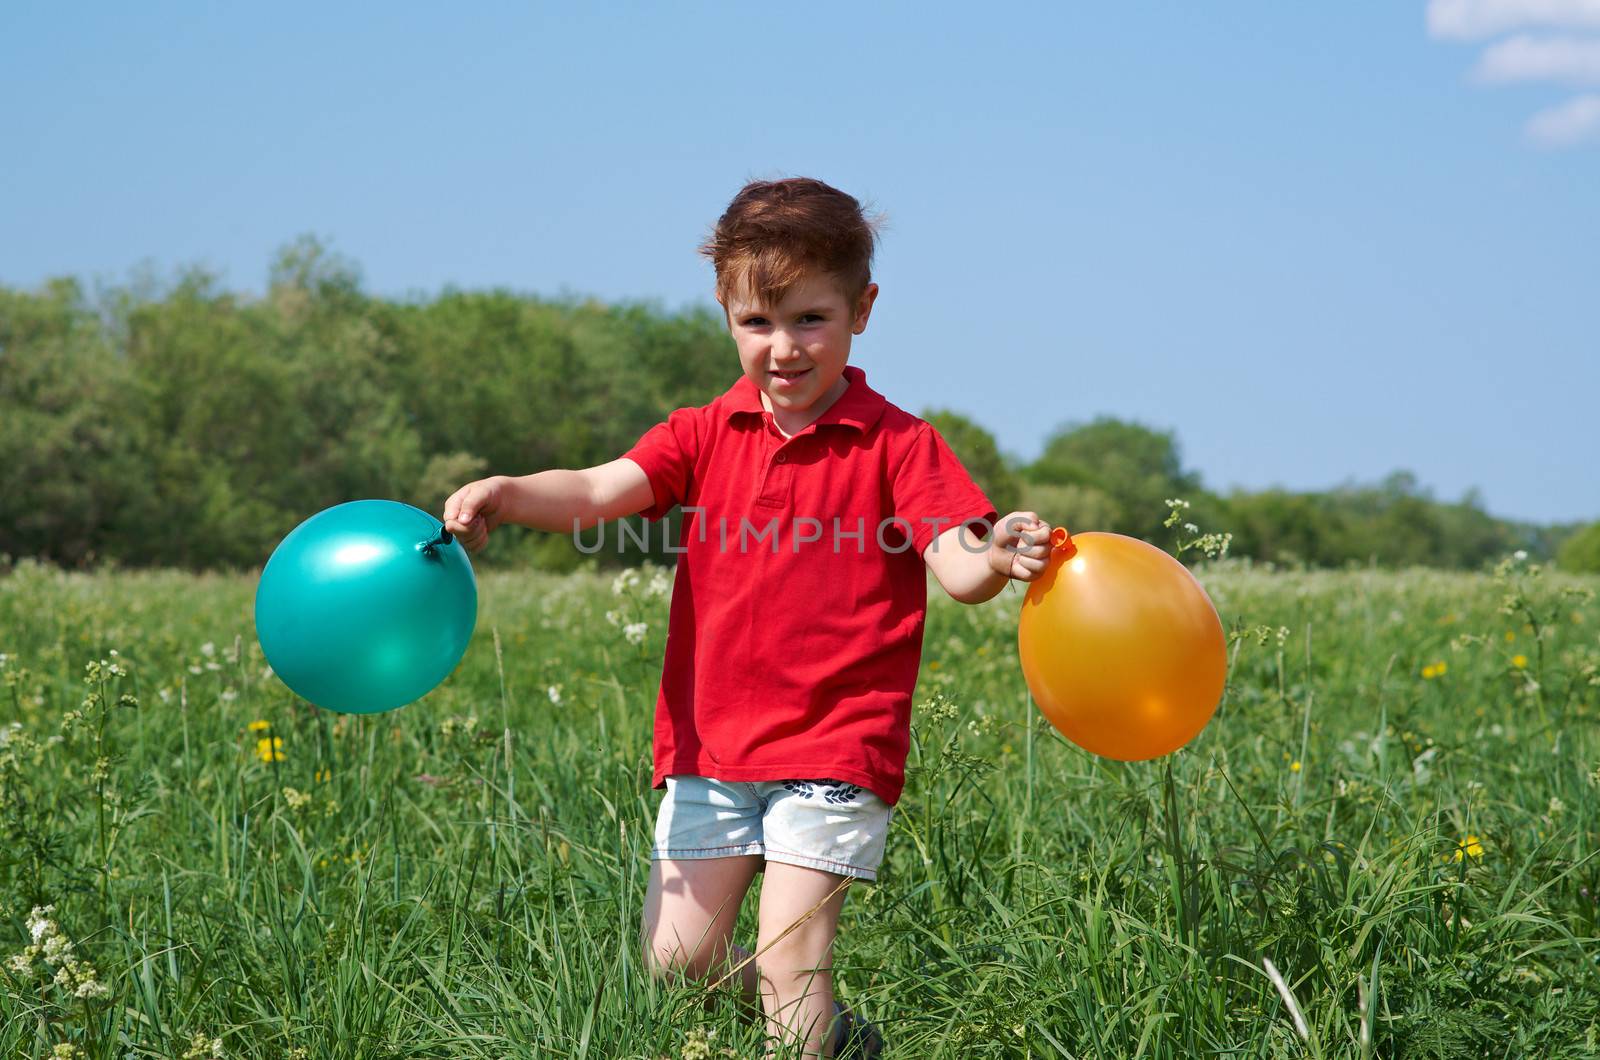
[[812, 511]]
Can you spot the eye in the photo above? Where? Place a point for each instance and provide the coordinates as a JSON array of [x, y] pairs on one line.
[[754, 322], [812, 318]]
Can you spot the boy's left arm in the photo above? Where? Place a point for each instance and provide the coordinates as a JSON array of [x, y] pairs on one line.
[[972, 570]]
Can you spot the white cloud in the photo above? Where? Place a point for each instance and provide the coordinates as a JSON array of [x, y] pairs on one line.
[[1526, 58], [1469, 19], [1573, 122]]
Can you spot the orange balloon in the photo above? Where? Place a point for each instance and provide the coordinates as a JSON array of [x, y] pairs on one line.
[[1122, 649]]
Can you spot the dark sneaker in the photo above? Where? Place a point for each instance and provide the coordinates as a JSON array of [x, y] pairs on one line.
[[858, 1039]]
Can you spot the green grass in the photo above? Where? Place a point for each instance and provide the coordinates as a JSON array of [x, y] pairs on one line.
[[464, 879]]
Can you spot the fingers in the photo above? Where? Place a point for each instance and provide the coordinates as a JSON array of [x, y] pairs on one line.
[[1026, 538], [1024, 534], [1026, 568], [464, 518], [1017, 522]]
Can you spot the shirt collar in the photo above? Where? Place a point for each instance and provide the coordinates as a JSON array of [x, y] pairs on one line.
[[859, 406]]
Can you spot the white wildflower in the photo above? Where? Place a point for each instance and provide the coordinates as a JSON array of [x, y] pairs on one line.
[[660, 584], [208, 649], [634, 632], [625, 581], [554, 692], [92, 989], [456, 723], [201, 1047], [81, 980], [40, 926], [57, 949], [1557, 807]]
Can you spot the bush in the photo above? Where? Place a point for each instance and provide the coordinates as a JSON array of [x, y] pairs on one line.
[[1580, 553]]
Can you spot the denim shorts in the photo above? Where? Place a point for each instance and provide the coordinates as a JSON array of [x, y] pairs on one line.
[[821, 824]]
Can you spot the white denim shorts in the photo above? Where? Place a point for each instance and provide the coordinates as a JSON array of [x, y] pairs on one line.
[[822, 824]]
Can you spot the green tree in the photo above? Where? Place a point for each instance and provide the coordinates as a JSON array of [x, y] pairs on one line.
[[1284, 527], [980, 455], [1580, 553], [1135, 467], [69, 439]]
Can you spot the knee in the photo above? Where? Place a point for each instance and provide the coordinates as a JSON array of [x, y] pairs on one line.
[[672, 962], [792, 968]]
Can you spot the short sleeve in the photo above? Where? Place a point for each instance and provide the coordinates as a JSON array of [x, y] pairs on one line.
[[934, 493], [667, 454]]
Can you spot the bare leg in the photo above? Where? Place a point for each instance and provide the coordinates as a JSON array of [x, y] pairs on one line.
[[797, 973], [690, 908]]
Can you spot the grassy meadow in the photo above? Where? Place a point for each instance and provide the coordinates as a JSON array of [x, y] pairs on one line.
[[1396, 807]]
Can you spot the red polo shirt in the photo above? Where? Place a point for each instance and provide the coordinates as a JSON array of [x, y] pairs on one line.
[[795, 631]]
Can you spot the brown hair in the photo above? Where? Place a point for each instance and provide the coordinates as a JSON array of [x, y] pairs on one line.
[[775, 231]]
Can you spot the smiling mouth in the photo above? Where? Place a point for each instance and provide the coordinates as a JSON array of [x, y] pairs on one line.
[[791, 375]]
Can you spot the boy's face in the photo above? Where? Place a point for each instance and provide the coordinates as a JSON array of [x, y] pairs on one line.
[[795, 351]]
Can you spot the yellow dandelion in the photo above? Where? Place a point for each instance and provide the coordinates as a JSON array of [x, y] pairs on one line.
[[1510, 636], [260, 726], [934, 665], [1471, 847], [1294, 767], [270, 750], [1519, 661], [323, 775]]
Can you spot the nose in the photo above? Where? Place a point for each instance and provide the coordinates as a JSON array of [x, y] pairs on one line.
[[784, 349]]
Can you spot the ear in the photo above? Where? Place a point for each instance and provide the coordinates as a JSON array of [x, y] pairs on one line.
[[864, 308]]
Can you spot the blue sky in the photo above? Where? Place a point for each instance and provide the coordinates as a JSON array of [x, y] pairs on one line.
[[1319, 242]]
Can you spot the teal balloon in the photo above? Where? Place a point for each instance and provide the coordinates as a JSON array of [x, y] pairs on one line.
[[366, 606]]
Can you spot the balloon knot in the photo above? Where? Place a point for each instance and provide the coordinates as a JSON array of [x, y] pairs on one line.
[[428, 548], [1061, 541]]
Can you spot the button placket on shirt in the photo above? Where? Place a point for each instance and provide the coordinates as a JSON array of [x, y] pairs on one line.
[[779, 478]]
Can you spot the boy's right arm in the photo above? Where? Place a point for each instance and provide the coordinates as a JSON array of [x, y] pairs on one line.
[[548, 500]]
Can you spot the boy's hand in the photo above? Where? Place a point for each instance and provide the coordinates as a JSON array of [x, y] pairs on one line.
[[474, 510], [1020, 547]]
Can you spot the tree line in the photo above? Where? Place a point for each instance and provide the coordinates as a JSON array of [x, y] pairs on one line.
[[184, 425]]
